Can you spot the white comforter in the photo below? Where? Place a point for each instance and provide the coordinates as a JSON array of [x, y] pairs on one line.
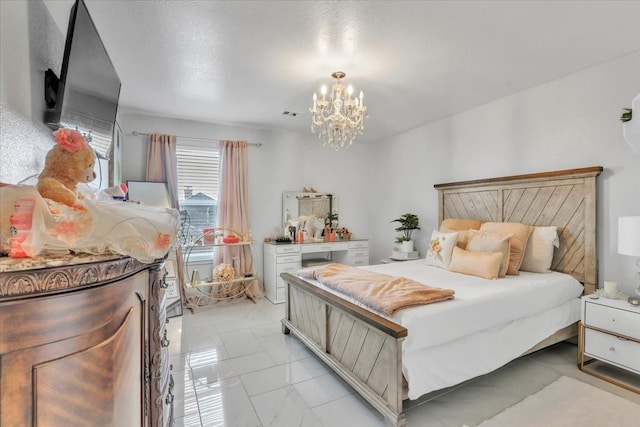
[[479, 304], [489, 323]]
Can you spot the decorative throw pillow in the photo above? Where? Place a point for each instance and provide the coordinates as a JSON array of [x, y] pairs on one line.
[[440, 248], [462, 226], [484, 241], [481, 264], [458, 224], [539, 253], [463, 236], [518, 241]]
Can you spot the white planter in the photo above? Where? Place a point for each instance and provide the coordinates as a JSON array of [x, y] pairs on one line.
[[407, 246], [631, 133], [631, 129]]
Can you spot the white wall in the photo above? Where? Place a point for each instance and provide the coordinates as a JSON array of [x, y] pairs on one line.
[[30, 42], [567, 123], [286, 161]]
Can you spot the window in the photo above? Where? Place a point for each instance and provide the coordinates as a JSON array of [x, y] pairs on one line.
[[198, 174]]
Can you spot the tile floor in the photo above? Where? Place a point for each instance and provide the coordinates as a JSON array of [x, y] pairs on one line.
[[233, 367]]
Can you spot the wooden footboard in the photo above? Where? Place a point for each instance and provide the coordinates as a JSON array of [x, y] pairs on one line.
[[361, 347]]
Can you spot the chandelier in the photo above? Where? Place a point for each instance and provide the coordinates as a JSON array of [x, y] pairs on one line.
[[341, 117]]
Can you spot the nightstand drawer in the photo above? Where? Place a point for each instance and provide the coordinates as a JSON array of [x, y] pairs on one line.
[[612, 319], [609, 348]]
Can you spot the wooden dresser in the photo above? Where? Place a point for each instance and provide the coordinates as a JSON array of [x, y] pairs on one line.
[[83, 342]]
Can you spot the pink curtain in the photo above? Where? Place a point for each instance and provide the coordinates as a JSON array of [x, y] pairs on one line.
[[162, 164], [233, 210]]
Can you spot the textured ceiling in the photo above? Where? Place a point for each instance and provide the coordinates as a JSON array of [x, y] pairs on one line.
[[245, 62]]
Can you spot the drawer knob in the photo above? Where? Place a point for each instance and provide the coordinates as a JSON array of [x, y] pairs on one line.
[[169, 399], [612, 349], [164, 342]]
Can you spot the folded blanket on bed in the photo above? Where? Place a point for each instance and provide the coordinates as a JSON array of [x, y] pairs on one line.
[[381, 292]]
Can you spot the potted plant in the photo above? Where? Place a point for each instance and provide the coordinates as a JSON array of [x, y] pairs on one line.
[[627, 115], [408, 223], [331, 220]]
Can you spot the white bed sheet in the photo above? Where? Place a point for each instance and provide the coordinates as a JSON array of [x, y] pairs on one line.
[[452, 363]]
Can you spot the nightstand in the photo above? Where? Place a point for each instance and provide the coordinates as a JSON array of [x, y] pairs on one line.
[[609, 335]]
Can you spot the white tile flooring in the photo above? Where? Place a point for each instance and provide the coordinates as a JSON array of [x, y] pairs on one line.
[[233, 367]]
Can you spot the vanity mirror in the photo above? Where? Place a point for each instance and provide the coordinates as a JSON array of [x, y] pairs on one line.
[[297, 203]]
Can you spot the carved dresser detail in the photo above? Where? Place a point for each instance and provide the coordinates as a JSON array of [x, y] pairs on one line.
[[83, 342]]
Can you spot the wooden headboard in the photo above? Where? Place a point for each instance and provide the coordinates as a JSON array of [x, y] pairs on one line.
[[566, 199]]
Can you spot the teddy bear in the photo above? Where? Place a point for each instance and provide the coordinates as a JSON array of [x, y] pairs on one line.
[[68, 163]]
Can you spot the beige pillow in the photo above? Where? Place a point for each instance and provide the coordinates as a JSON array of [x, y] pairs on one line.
[[440, 247], [484, 241], [457, 224], [462, 226], [518, 241], [463, 236], [539, 253], [481, 264]]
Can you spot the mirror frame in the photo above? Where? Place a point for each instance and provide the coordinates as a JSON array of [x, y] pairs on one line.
[[291, 211]]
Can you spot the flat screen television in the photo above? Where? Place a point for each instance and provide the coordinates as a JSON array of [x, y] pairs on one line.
[[85, 96]]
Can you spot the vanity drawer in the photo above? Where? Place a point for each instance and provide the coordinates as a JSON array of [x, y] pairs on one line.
[[358, 260], [291, 267], [612, 319], [610, 348], [324, 247], [358, 253], [287, 249], [359, 245], [287, 259]]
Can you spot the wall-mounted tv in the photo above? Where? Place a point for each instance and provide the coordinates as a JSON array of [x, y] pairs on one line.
[[85, 96]]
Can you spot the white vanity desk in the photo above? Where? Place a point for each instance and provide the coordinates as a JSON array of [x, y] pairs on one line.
[[289, 258]]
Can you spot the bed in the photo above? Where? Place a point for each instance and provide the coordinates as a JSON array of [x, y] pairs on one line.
[[380, 357]]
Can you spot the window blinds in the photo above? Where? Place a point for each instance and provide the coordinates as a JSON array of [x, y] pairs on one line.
[[198, 170]]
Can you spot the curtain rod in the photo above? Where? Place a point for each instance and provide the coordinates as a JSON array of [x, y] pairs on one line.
[[136, 133]]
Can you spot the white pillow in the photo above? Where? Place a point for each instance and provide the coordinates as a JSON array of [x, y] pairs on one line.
[[539, 252], [440, 248]]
